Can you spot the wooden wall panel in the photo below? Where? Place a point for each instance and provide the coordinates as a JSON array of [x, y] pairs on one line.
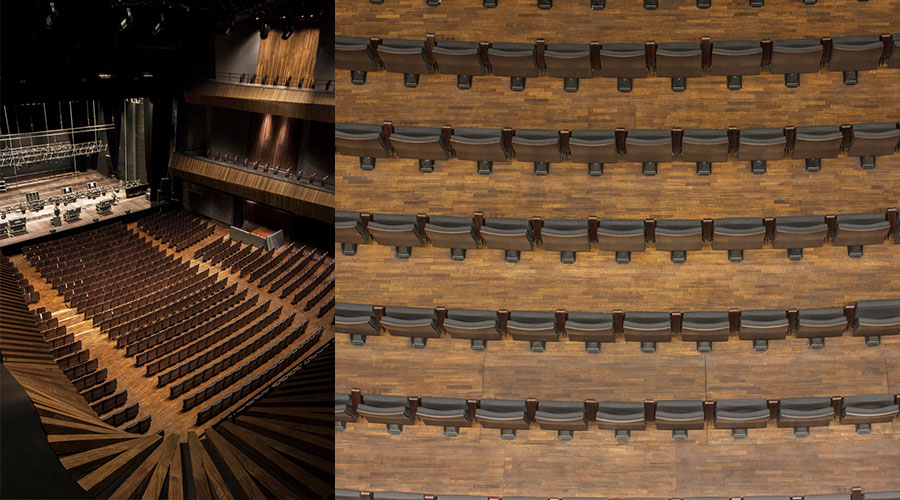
[[294, 57], [821, 99], [825, 277], [318, 106], [512, 190], [620, 21]]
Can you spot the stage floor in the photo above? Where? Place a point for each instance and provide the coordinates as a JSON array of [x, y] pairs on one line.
[[38, 223]]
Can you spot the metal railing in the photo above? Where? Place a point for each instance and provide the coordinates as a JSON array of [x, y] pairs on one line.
[[313, 180], [292, 82]]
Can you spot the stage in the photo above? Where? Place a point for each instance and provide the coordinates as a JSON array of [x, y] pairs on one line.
[[38, 223]]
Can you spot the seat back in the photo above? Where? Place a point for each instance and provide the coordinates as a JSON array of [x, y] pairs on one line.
[[348, 227], [395, 230], [423, 143], [403, 56], [679, 59], [536, 145], [647, 326], [478, 144], [565, 235], [513, 59], [738, 57], [800, 231], [648, 145], [352, 139], [679, 234], [623, 60], [739, 233], [451, 232], [458, 58], [817, 142], [763, 325], [861, 229], [568, 61], [820, 323], [854, 53], [621, 235], [761, 144], [472, 324], [874, 139], [507, 234], [593, 146], [796, 56], [704, 145], [353, 53]]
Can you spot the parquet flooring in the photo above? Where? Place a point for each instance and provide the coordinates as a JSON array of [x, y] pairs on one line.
[[512, 190], [620, 21], [165, 413]]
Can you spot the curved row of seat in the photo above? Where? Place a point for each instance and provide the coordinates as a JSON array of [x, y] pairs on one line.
[[865, 318], [622, 236], [857, 494], [596, 147], [679, 61], [566, 417]]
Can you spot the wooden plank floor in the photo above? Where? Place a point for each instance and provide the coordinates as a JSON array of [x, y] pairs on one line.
[[512, 190], [507, 370], [620, 21], [821, 99], [769, 462], [825, 277], [166, 413]]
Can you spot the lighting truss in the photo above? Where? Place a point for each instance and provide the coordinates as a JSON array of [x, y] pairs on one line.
[[27, 155], [83, 194]]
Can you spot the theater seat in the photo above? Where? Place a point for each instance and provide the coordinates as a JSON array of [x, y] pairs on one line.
[[364, 141], [538, 146], [622, 417], [704, 328], [404, 56], [622, 237], [348, 231], [678, 237], [798, 232], [738, 234], [868, 140], [396, 495], [478, 326], [570, 62], [566, 237], [865, 410], [481, 145], [594, 147], [826, 497], [537, 327], [356, 55], [515, 60], [814, 143], [734, 59], [510, 235], [704, 147], [818, 324], [851, 54], [422, 143], [649, 147], [883, 495], [741, 414], [759, 145], [793, 57], [679, 61], [875, 318], [565, 417], [623, 61], [393, 411], [761, 326], [461, 497], [417, 323], [803, 413], [357, 320], [856, 230], [648, 328], [343, 412], [894, 56], [346, 495], [504, 414], [455, 233], [462, 59], [679, 416], [590, 328], [449, 413], [399, 231]]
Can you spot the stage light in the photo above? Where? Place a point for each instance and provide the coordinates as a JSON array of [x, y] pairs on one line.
[[158, 27], [225, 29], [263, 30], [126, 19], [288, 31], [51, 16]]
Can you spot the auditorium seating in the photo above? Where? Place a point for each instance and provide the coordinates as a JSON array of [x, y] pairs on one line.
[[678, 61], [538, 146], [404, 56], [649, 147], [355, 319], [343, 412], [422, 143], [705, 328], [623, 61], [569, 62], [793, 57], [449, 413], [567, 237], [504, 414], [510, 235], [740, 415], [564, 417], [483, 146], [736, 59], [416, 323], [648, 328], [621, 417], [814, 143], [622, 237], [355, 54], [477, 326], [536, 327], [515, 60], [462, 59], [591, 328], [760, 145], [594, 147], [761, 326], [851, 54], [798, 232], [455, 233], [704, 147], [876, 318], [803, 413], [856, 230], [737, 235], [868, 140], [818, 324], [679, 237], [865, 410], [679, 416], [365, 141], [399, 231], [393, 411]]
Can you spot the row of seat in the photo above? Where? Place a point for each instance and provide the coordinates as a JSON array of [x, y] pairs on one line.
[[565, 417], [179, 230], [622, 236], [596, 147], [866, 318], [679, 61], [857, 494]]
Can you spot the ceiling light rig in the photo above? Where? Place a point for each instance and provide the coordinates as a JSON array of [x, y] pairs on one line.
[[125, 19]]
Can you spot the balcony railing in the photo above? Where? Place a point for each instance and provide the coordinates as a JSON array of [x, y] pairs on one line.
[[312, 180], [292, 82]]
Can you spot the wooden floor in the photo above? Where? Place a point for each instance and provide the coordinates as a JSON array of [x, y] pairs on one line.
[[709, 463], [620, 21], [764, 101], [397, 187], [38, 223], [825, 277], [166, 413]]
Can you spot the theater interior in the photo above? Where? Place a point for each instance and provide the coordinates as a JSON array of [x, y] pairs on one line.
[[617, 249], [167, 268]]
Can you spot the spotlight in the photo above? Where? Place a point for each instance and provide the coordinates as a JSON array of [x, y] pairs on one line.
[[225, 29], [288, 31], [126, 19], [158, 27], [51, 16], [263, 30]]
